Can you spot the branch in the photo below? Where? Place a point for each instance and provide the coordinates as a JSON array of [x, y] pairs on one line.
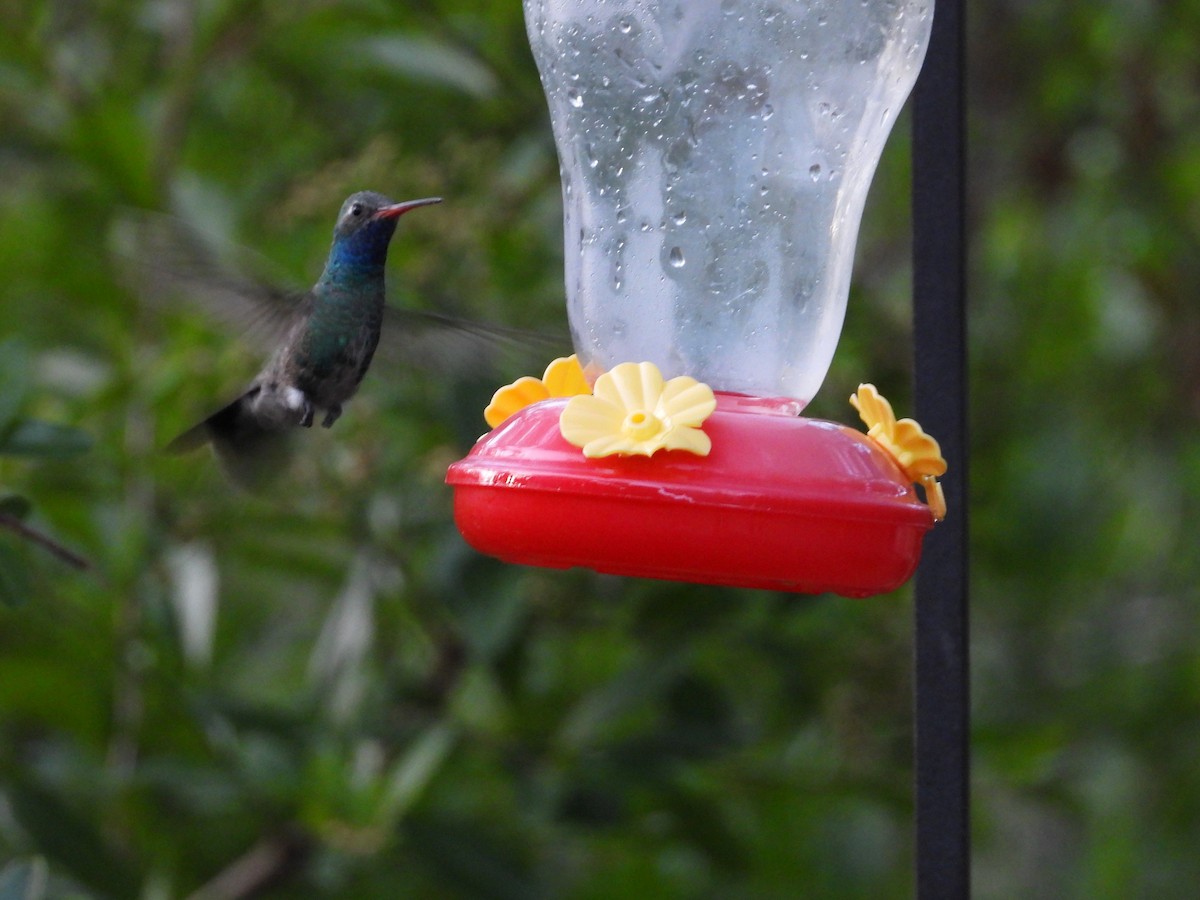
[[70, 557], [268, 861]]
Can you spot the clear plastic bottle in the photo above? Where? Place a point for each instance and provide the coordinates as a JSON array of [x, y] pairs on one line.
[[715, 158]]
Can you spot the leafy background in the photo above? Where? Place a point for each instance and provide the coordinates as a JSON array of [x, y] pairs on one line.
[[322, 692]]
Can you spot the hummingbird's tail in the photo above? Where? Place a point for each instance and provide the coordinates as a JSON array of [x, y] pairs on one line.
[[252, 449]]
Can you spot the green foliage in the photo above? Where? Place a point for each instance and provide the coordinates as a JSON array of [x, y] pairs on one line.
[[322, 692], [1086, 441], [25, 438]]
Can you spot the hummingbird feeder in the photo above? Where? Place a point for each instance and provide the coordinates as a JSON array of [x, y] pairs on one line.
[[715, 158]]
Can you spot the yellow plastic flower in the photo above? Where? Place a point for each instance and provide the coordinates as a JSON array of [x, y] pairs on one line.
[[563, 378], [633, 412], [917, 454]]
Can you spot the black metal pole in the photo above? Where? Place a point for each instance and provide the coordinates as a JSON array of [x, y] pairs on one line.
[[942, 694]]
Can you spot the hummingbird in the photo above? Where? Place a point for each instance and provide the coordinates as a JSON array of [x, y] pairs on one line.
[[325, 340]]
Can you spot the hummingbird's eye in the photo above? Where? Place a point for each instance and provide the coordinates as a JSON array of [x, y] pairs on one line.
[[356, 209]]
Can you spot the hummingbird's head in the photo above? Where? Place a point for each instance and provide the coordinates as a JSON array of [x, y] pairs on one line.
[[366, 224]]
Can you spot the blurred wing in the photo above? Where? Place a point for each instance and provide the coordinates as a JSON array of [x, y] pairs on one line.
[[441, 343], [167, 262]]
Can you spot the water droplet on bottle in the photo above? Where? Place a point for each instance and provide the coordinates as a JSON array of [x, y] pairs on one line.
[[575, 98], [814, 171], [675, 258], [625, 26], [679, 218], [767, 111]]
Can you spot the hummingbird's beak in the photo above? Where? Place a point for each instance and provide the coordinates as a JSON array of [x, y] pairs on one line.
[[399, 209]]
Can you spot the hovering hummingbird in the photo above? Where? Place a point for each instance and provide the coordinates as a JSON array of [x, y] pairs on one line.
[[324, 338]]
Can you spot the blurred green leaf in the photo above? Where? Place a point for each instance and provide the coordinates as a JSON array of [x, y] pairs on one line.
[[15, 505], [14, 573], [636, 687], [467, 859], [24, 880], [426, 60], [29, 437], [15, 377], [71, 841], [414, 770]]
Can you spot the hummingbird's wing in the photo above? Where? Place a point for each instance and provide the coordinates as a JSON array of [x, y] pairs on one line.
[[437, 342], [168, 261]]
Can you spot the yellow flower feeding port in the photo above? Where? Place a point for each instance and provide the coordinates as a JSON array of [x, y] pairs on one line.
[[634, 412]]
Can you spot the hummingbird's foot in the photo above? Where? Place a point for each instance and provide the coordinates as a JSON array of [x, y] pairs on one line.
[[331, 415]]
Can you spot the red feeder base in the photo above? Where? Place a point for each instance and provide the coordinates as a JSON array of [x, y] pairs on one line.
[[782, 502]]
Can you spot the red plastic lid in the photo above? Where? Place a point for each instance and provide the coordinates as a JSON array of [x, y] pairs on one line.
[[782, 502]]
